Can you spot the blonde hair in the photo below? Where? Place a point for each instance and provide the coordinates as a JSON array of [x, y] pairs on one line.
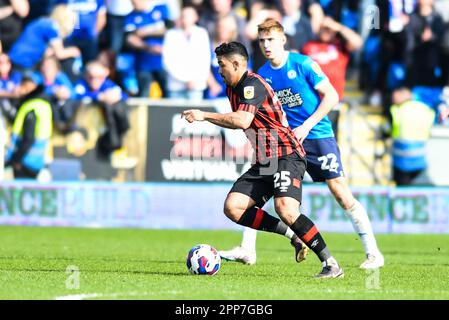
[[65, 18], [270, 25]]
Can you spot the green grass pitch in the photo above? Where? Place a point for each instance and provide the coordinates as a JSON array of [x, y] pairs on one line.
[[150, 264]]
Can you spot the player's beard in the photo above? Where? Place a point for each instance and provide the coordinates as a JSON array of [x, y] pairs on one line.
[[225, 80]]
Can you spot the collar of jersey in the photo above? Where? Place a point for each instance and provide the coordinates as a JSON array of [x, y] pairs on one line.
[[241, 80], [282, 64]]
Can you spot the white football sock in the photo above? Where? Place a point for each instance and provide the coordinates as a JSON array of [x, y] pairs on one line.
[[250, 235], [249, 239], [330, 262], [362, 226], [289, 234]]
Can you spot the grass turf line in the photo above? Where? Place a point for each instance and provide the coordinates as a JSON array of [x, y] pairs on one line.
[[150, 264]]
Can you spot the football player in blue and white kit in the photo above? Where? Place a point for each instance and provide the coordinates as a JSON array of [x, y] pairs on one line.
[[298, 82]]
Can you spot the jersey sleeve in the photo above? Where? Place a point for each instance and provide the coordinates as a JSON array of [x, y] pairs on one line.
[[252, 96], [51, 33], [313, 72]]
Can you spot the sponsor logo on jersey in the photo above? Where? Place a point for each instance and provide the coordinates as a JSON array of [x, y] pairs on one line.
[[248, 92], [288, 98], [291, 74]]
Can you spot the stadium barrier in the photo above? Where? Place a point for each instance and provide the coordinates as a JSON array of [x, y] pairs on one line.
[[188, 171], [200, 205], [162, 147]]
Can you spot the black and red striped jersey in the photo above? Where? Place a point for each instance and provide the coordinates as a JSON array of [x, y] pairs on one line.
[[269, 133]]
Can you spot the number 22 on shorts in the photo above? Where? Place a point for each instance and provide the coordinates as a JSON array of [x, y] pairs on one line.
[[329, 162]]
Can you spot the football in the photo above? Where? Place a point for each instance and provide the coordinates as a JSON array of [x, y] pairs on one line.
[[203, 259]]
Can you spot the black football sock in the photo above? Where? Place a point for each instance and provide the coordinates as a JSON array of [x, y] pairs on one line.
[[308, 233], [259, 219]]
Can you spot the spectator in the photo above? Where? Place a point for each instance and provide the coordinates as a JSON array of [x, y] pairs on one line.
[[225, 31], [222, 8], [315, 13], [332, 51], [259, 13], [9, 83], [59, 90], [425, 33], [298, 27], [56, 83], [187, 72], [42, 36], [146, 27], [344, 11], [117, 10], [200, 6], [12, 12], [411, 125], [394, 17], [108, 58], [98, 89], [91, 18], [31, 133]]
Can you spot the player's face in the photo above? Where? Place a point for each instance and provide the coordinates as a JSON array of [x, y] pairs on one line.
[[227, 70], [272, 44]]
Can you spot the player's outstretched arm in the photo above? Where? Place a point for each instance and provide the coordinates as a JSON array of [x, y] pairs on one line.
[[232, 120]]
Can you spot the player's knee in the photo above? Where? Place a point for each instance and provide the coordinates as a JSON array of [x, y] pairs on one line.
[[345, 200], [232, 211], [286, 209], [342, 193]]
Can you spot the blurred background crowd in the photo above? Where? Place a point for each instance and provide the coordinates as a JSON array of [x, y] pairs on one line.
[[104, 51]]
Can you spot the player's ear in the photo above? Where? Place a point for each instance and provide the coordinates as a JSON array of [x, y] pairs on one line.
[[236, 64], [284, 39]]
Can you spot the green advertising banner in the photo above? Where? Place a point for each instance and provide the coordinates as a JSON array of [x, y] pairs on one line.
[[200, 205]]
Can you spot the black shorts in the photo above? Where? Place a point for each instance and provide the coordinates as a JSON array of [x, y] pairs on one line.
[[283, 179]]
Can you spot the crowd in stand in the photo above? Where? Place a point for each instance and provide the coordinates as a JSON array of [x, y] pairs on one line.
[[106, 50]]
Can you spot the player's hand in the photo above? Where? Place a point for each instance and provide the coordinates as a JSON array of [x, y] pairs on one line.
[[302, 132], [193, 115]]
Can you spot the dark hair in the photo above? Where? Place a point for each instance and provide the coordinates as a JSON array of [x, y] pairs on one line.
[[231, 48]]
